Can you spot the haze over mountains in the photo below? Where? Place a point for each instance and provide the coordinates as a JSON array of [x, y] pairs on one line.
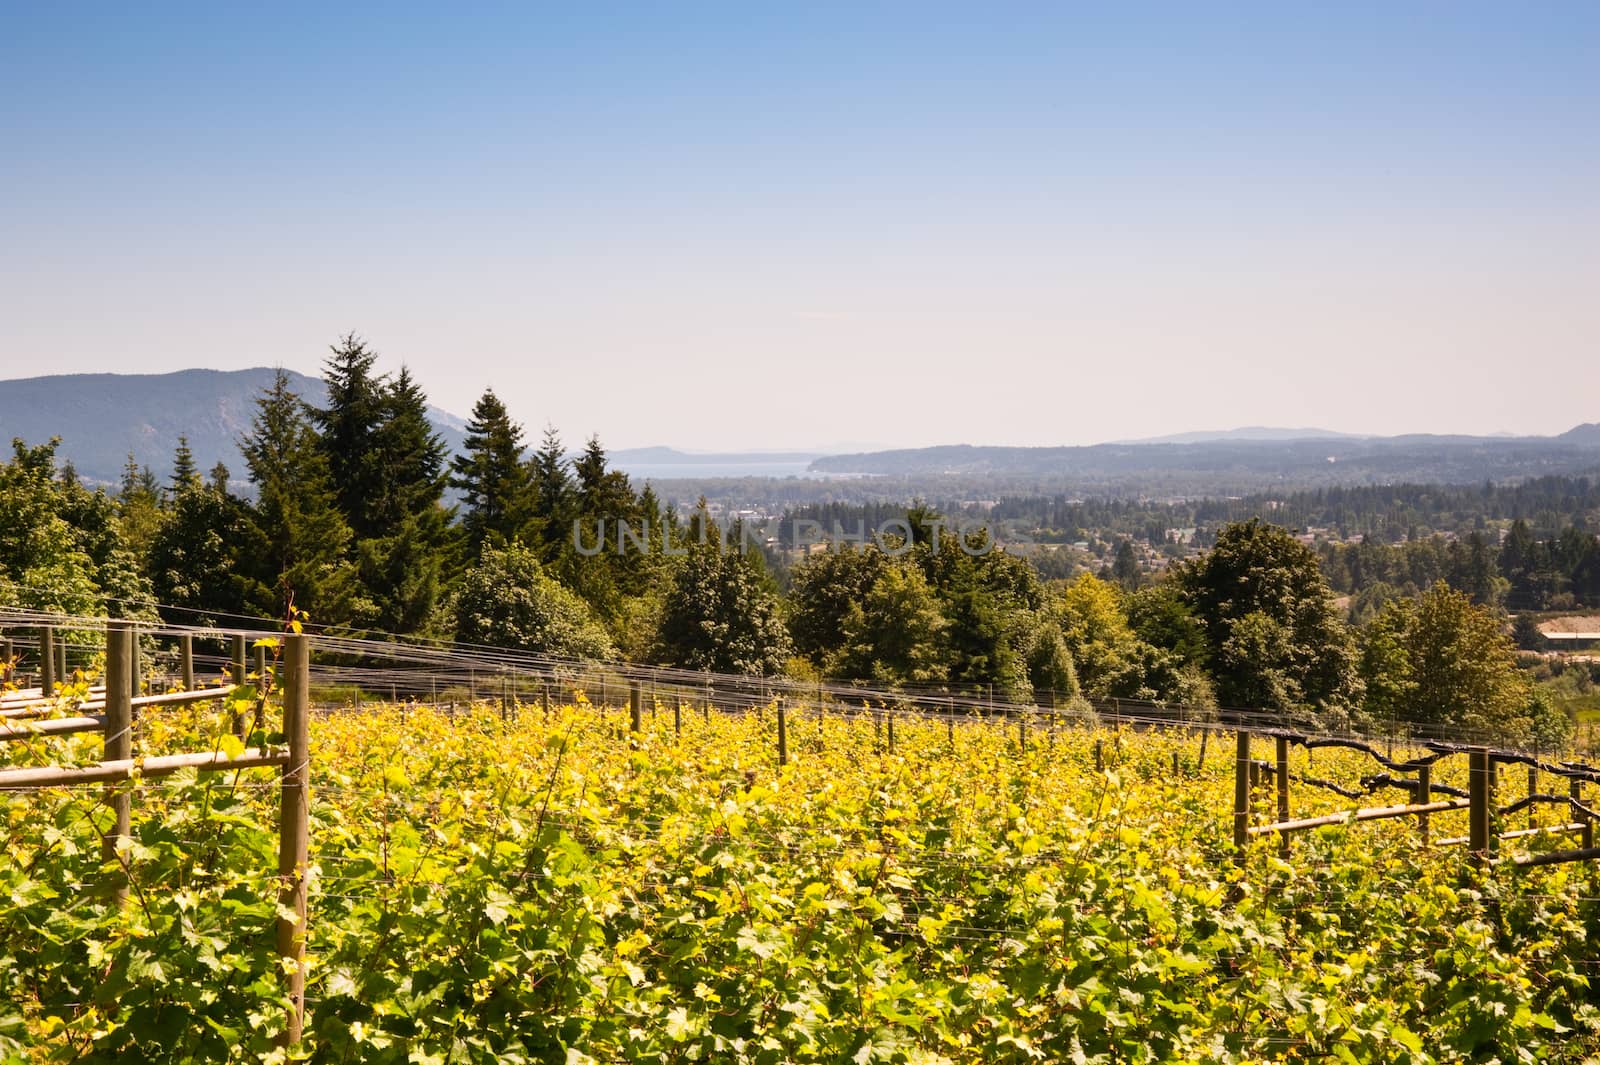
[[102, 418]]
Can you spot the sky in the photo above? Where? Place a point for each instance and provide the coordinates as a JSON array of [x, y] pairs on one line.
[[742, 226]]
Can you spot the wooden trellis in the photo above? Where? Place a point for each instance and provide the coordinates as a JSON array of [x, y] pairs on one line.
[[118, 703]]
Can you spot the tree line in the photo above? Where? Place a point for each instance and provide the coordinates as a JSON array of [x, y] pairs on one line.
[[350, 525]]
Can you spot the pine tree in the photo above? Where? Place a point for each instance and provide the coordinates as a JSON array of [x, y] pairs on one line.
[[491, 476], [357, 406], [552, 498], [219, 478], [402, 559], [184, 474], [297, 510]]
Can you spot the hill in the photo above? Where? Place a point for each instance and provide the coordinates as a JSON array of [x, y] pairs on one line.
[[102, 418], [1234, 466]]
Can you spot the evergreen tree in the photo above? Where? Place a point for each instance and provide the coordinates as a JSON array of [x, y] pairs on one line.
[[402, 563], [184, 474], [491, 476], [209, 560], [551, 526], [219, 478], [1125, 568], [358, 405], [139, 506], [307, 538]]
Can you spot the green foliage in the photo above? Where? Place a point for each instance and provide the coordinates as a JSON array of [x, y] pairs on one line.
[[1273, 636], [894, 634], [62, 547], [530, 890], [307, 537], [507, 600], [207, 560], [491, 477], [1441, 660], [722, 613]]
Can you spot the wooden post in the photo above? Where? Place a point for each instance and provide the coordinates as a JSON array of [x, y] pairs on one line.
[[1423, 796], [1174, 763], [294, 828], [783, 734], [186, 660], [1241, 796], [1099, 756], [1533, 789], [1575, 789], [135, 662], [1282, 781], [677, 715], [47, 661], [635, 708], [236, 675], [261, 669], [118, 742], [890, 715], [1480, 792]]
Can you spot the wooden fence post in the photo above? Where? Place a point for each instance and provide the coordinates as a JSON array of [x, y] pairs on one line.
[[889, 714], [1099, 755], [1241, 796], [135, 662], [47, 661], [1480, 794], [186, 660], [1533, 789], [677, 715], [1424, 795], [1282, 781], [635, 708], [1575, 789], [118, 742], [783, 734], [236, 675], [294, 827]]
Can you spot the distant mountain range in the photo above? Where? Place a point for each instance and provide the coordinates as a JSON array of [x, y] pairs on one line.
[[103, 418], [1241, 461], [1252, 432]]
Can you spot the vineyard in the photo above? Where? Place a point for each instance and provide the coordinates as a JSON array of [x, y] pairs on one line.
[[531, 866]]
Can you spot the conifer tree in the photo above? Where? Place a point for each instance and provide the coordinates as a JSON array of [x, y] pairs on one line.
[[357, 406], [491, 476], [306, 536], [551, 525], [184, 474]]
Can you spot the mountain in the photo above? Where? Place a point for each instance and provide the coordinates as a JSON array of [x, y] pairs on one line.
[[101, 418], [1585, 435], [1234, 465], [1251, 432]]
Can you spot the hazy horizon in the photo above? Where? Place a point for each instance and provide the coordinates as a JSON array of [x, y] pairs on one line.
[[724, 228]]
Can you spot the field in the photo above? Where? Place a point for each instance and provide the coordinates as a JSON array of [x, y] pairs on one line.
[[514, 887]]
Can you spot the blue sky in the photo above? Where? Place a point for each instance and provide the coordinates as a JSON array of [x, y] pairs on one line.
[[732, 226]]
